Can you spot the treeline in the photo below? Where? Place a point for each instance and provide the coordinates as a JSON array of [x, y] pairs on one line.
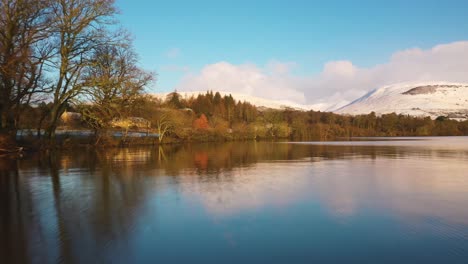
[[214, 117], [326, 126], [214, 105], [58, 53], [244, 120]]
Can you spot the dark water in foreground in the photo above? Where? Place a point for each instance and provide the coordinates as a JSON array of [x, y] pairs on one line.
[[403, 201]]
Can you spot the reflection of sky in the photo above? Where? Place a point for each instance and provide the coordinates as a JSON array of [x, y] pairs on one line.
[[247, 189], [407, 188], [359, 207], [365, 201]]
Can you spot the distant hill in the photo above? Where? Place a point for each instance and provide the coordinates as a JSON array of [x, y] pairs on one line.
[[257, 101], [418, 99]]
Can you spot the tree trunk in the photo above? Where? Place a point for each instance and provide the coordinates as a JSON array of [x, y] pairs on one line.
[[7, 140], [7, 119], [55, 114], [7, 130], [1, 115]]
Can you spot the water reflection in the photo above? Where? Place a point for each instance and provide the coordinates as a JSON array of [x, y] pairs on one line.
[[137, 205]]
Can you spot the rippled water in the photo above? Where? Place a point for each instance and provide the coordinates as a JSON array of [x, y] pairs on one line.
[[403, 200]]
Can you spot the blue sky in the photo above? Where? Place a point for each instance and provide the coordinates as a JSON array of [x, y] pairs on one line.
[[176, 38]]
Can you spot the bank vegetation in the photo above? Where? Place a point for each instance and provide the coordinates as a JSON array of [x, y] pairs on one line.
[[68, 69]]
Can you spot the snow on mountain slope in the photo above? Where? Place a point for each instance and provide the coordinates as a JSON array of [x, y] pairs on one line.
[[417, 99], [257, 101]]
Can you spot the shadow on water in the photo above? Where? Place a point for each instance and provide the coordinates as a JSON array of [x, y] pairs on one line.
[[87, 205]]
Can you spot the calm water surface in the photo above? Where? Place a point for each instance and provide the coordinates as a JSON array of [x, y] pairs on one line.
[[388, 201]]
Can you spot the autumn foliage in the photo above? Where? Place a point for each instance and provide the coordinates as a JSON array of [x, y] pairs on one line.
[[201, 123]]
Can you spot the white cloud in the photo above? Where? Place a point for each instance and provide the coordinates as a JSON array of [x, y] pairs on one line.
[[339, 82], [278, 67], [246, 79]]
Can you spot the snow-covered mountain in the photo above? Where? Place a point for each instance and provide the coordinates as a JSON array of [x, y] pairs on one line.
[[257, 101], [417, 99]]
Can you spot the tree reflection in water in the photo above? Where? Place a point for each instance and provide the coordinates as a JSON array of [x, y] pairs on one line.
[[87, 205]]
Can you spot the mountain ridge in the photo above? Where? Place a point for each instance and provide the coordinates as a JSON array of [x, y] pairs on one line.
[[416, 99], [412, 98]]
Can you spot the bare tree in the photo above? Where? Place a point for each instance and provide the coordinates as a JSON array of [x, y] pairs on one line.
[[80, 27], [113, 84], [23, 51]]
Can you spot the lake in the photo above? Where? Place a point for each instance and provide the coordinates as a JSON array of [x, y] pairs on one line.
[[384, 200]]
